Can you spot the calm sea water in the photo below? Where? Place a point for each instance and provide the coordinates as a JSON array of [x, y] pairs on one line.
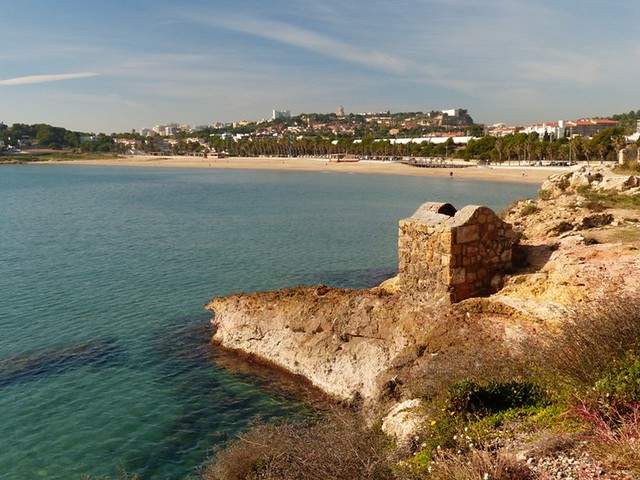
[[104, 361]]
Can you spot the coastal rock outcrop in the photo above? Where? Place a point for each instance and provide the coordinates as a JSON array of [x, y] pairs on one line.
[[340, 340], [344, 341], [599, 178], [470, 285]]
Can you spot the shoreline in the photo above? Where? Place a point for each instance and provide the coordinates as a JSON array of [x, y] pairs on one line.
[[509, 174]]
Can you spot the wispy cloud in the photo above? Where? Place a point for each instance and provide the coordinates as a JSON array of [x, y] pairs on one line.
[[292, 35], [33, 79], [285, 33], [571, 67]]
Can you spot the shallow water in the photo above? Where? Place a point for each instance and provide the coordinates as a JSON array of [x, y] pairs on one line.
[[104, 360]]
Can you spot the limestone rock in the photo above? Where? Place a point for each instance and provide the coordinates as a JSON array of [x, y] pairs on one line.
[[404, 420]]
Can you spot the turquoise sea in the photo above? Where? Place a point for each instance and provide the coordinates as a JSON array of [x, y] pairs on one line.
[[104, 354]]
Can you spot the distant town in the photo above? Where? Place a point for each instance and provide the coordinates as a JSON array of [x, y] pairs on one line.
[[414, 136]]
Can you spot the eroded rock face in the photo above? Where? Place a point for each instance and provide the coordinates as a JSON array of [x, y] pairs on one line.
[[341, 340]]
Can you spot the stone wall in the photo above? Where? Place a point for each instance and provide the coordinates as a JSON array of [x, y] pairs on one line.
[[454, 254]]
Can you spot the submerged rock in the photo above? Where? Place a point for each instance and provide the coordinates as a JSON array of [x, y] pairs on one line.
[[33, 365]]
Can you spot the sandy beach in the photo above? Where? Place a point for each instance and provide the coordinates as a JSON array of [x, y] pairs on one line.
[[500, 174]]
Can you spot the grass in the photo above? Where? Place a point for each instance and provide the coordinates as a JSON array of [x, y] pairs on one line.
[[478, 465], [599, 201], [617, 442], [610, 235], [629, 168], [592, 342], [550, 418]]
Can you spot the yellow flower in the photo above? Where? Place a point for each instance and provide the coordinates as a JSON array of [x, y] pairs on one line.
[[433, 422]]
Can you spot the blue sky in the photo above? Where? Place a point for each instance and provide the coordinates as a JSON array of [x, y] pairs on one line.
[[117, 65]]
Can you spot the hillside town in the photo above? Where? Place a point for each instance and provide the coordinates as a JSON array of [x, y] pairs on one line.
[[414, 137]]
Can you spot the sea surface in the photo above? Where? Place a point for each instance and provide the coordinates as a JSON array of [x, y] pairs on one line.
[[104, 356]]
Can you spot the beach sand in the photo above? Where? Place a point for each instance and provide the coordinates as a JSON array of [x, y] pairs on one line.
[[500, 174]]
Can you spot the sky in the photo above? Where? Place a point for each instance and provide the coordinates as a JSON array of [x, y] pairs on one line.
[[115, 65]]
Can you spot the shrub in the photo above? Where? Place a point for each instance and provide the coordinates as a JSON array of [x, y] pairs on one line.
[[616, 441], [563, 184], [544, 194], [338, 447], [621, 385], [630, 167], [468, 397], [529, 209], [479, 464], [593, 341]]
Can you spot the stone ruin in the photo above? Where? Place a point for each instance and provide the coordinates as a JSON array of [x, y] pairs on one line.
[[454, 254]]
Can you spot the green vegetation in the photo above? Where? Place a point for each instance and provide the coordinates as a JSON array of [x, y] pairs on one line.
[[544, 194], [471, 398], [628, 121], [46, 136], [529, 209], [521, 148], [599, 201], [325, 134], [583, 382]]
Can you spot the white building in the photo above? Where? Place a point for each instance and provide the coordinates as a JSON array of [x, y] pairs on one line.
[[166, 130], [277, 114], [553, 129], [461, 140], [453, 112]]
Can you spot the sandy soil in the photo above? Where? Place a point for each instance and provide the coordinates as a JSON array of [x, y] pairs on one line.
[[502, 173]]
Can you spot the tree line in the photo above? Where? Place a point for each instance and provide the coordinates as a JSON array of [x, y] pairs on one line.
[[48, 136], [518, 147]]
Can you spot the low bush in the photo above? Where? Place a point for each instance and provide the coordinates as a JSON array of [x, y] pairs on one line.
[[338, 447], [593, 342], [478, 465], [544, 194], [529, 209], [615, 439], [472, 398], [621, 385], [631, 167]]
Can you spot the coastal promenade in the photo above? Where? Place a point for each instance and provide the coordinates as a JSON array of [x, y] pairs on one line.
[[513, 173]]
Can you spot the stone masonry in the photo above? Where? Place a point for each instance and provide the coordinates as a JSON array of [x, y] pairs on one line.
[[454, 254]]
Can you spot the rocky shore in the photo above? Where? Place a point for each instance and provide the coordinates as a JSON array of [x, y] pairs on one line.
[[470, 285]]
